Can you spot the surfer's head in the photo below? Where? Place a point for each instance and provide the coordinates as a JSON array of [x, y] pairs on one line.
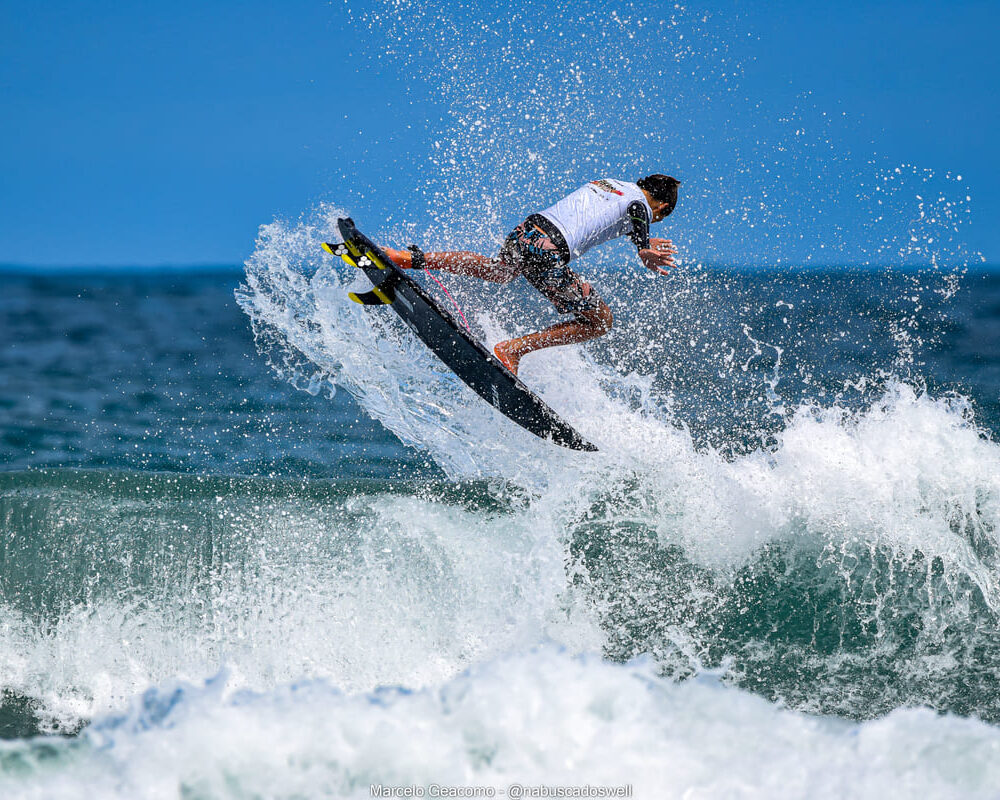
[[661, 191]]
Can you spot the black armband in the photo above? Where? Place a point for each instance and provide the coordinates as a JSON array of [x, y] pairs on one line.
[[419, 261], [639, 218]]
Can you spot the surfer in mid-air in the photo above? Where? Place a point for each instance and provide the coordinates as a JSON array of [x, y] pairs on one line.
[[542, 246]]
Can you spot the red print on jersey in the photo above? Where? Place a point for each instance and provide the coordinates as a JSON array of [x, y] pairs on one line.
[[608, 187]]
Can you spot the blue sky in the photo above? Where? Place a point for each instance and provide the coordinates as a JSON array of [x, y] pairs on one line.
[[144, 135]]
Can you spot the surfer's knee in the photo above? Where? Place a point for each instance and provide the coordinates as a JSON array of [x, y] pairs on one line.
[[600, 319], [605, 318], [503, 270], [503, 267]]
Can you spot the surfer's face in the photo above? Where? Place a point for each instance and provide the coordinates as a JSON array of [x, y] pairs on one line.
[[661, 210]]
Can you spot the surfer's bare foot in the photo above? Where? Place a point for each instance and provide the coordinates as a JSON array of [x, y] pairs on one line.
[[401, 258], [507, 357]]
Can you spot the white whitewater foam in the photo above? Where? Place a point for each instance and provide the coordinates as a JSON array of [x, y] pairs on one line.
[[903, 473], [541, 717]]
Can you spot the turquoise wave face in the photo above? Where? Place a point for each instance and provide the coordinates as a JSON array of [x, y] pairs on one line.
[[849, 570]]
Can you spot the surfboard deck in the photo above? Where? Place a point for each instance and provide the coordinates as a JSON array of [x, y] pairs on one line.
[[435, 326]]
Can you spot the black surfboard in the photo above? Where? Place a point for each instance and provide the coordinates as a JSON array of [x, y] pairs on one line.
[[441, 332]]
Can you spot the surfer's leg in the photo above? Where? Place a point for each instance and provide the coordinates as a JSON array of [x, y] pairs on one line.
[[525, 243], [587, 325], [460, 262], [570, 294]]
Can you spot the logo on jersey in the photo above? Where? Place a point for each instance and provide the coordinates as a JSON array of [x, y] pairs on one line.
[[607, 186]]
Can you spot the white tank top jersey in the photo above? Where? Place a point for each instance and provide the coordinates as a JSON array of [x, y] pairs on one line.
[[596, 213]]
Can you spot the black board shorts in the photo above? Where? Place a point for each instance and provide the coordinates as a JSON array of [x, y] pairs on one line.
[[537, 250]]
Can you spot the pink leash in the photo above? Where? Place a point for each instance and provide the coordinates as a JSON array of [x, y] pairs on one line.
[[448, 295]]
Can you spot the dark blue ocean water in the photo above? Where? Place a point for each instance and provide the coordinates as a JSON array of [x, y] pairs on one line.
[[158, 371]]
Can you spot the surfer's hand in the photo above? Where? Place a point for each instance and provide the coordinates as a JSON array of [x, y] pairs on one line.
[[662, 245], [658, 255]]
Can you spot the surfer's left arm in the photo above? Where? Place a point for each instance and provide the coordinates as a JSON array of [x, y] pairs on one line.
[[654, 253]]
